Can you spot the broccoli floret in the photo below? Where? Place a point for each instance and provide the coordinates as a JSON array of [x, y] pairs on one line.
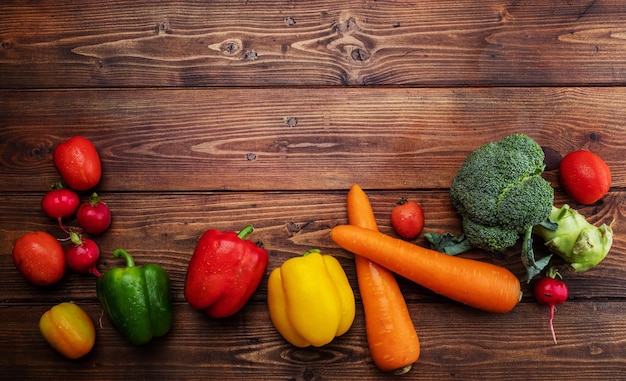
[[500, 194], [492, 238]]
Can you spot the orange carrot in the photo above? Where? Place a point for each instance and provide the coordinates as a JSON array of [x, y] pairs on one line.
[[391, 336], [478, 284]]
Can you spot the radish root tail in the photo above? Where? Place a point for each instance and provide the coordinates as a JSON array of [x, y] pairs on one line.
[[552, 309]]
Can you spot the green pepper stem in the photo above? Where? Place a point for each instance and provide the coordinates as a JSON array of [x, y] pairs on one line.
[[245, 232], [130, 262]]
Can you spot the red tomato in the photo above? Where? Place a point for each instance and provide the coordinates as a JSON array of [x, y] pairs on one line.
[[60, 203], [94, 216], [407, 219], [585, 176], [78, 163], [40, 258]]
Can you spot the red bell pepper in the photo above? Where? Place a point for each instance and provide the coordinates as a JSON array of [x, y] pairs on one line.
[[224, 271]]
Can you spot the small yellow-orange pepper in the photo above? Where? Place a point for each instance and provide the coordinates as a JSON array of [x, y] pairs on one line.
[[68, 329], [310, 299]]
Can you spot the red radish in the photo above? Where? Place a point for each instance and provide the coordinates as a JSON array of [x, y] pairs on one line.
[[93, 216], [60, 203], [551, 292], [82, 255]]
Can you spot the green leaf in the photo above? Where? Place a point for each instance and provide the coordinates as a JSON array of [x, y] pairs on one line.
[[448, 243], [533, 267]]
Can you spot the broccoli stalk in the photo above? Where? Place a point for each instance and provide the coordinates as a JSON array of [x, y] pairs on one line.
[[578, 242]]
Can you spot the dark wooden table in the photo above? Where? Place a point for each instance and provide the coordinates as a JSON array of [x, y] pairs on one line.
[[217, 114]]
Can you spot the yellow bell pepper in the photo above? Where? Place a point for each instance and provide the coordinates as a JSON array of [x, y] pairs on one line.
[[310, 299], [68, 329]]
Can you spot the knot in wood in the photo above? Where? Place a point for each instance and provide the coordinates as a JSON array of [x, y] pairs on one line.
[[291, 121], [164, 27], [360, 54], [347, 27], [251, 55], [231, 47], [6, 44]]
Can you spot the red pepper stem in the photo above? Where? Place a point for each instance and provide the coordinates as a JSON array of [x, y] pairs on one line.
[[245, 232], [122, 253]]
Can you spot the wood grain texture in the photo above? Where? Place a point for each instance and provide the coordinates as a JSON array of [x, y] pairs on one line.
[[219, 114], [297, 139], [246, 347], [243, 43]]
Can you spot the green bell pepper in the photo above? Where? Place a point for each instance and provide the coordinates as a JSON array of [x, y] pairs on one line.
[[136, 300]]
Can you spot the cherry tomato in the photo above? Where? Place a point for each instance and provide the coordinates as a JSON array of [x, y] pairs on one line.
[[68, 329], [585, 176], [60, 203], [78, 163], [40, 258], [407, 219], [82, 255], [94, 216]]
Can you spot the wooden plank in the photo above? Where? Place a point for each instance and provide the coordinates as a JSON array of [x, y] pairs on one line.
[[297, 139], [164, 229], [515, 346], [286, 43], [223, 113]]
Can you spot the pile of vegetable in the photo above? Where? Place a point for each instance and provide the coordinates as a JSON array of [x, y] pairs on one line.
[[136, 300], [78, 165], [501, 196], [499, 193]]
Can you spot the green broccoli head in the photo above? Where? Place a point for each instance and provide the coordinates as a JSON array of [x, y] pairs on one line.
[[492, 238], [500, 193]]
